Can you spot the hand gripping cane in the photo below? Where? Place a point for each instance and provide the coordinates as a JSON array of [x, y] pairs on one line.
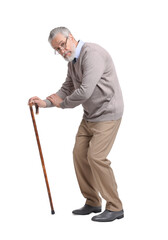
[[41, 155]]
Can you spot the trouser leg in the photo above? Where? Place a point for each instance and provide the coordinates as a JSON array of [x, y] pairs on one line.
[[82, 168], [100, 144]]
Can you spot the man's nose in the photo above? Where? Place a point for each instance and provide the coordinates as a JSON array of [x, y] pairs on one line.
[[62, 50]]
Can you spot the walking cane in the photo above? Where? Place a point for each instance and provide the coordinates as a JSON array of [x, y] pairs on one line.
[[41, 155]]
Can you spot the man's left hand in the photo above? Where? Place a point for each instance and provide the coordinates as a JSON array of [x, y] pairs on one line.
[[55, 99]]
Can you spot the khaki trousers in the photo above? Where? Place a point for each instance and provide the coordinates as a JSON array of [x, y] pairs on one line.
[[94, 141]]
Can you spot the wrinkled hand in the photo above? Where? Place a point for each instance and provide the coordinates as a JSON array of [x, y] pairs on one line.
[[38, 101], [55, 99]]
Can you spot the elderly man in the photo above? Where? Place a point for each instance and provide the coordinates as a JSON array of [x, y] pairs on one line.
[[91, 81]]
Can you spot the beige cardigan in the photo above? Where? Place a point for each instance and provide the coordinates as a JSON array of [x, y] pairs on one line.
[[92, 81]]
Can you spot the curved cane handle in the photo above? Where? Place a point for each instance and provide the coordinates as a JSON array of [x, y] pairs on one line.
[[36, 107]]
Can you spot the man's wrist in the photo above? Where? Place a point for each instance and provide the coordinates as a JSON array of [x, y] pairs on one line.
[[48, 103]]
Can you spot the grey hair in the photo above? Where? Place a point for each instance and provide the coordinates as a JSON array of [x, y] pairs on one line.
[[63, 30]]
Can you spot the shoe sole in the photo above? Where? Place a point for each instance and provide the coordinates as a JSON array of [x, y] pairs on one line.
[[119, 217], [96, 211]]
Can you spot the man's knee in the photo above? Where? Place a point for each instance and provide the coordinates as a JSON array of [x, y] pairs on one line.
[[97, 159]]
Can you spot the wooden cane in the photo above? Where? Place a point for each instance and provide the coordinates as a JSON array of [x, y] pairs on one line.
[[41, 155]]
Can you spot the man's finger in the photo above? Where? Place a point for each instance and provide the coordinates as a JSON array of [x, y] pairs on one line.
[[34, 101], [50, 98], [30, 103], [52, 95], [31, 100]]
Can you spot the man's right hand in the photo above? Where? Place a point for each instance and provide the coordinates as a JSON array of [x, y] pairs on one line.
[[38, 101]]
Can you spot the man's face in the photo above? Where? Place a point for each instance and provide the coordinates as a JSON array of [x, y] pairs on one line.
[[65, 46]]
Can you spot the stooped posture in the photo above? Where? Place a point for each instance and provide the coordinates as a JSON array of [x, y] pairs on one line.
[[91, 81]]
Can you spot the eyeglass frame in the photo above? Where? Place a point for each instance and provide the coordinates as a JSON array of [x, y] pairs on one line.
[[62, 46]]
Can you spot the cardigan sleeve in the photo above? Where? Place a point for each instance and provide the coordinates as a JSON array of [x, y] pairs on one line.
[[67, 87], [93, 66], [66, 90]]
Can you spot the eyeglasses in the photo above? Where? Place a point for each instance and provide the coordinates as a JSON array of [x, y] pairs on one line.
[[61, 47]]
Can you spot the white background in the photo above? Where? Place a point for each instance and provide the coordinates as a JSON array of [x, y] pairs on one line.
[[135, 34]]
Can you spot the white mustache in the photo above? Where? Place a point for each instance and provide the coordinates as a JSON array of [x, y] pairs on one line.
[[65, 53]]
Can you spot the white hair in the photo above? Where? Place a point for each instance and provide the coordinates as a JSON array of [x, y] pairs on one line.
[[63, 30]]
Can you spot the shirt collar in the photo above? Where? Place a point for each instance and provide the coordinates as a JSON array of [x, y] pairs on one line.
[[78, 49]]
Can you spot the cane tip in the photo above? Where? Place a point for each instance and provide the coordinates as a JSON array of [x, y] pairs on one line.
[[52, 212]]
